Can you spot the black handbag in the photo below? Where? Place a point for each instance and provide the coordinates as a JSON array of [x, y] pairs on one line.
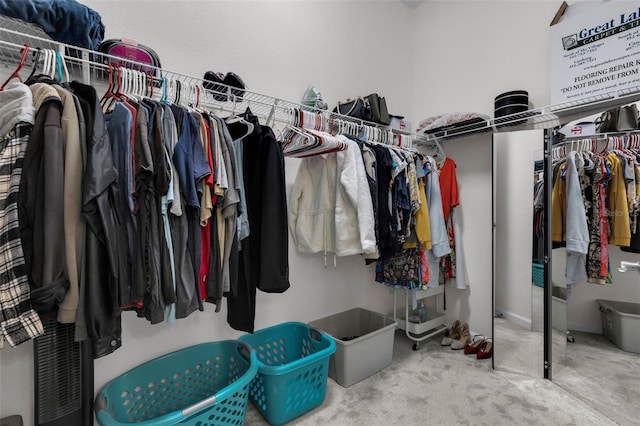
[[621, 119], [379, 111], [628, 118], [356, 108], [608, 121]]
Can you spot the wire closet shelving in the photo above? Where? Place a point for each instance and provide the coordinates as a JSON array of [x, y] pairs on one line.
[[91, 66]]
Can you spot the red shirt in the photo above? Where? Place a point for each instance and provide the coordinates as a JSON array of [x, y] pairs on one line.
[[448, 187]]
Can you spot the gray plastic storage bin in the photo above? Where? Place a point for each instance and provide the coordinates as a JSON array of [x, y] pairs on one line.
[[11, 421], [621, 323], [364, 344]]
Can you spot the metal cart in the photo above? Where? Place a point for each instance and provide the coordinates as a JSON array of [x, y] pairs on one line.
[[418, 331]]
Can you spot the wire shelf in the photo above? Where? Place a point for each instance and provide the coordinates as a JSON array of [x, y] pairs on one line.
[[90, 66]]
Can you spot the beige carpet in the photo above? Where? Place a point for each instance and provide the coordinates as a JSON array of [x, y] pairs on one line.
[[604, 376], [438, 386]]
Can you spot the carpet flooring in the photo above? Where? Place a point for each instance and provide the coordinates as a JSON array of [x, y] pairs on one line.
[[439, 386]]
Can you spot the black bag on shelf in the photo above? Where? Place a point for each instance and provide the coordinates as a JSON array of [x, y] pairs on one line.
[[621, 119], [379, 111], [356, 108], [628, 118]]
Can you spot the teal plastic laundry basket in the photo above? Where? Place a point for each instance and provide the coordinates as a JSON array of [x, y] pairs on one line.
[[293, 365], [204, 385], [537, 273]]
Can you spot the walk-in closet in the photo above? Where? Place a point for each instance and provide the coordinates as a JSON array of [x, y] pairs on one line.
[[188, 200]]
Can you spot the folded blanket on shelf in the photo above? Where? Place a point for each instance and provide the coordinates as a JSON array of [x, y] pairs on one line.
[[450, 119], [66, 21]]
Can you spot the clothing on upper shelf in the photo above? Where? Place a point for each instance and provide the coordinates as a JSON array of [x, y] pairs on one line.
[[67, 21]]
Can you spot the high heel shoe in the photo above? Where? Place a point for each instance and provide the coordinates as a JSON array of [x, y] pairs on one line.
[[454, 333], [486, 350], [461, 341], [476, 343]]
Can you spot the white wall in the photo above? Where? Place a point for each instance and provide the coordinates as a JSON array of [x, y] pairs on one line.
[[514, 223], [473, 305], [468, 52]]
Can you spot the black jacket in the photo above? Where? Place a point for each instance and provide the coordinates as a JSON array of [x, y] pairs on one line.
[[263, 262], [40, 203], [105, 263]]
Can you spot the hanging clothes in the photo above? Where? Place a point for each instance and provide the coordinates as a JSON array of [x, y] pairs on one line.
[[105, 266], [42, 184], [19, 322], [387, 232], [330, 204], [192, 167], [74, 226], [119, 123], [577, 231], [450, 200], [263, 263], [605, 198], [634, 207], [439, 235]]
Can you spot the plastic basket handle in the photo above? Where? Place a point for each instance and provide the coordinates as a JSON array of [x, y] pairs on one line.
[[101, 402], [316, 334], [244, 350], [199, 406]]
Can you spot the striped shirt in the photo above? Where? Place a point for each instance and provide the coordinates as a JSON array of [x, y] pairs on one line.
[[18, 321]]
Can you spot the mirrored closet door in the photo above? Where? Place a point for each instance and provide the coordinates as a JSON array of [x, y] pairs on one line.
[[518, 240], [600, 313]]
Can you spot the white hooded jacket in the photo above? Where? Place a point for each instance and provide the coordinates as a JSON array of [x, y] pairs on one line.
[[330, 207]]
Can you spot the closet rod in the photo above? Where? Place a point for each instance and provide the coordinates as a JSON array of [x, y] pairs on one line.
[[600, 137], [94, 65]]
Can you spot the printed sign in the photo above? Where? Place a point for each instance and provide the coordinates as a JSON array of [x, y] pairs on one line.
[[595, 51]]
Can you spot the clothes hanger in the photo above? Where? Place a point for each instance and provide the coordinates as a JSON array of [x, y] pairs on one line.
[[58, 67], [52, 64], [16, 72], [163, 86], [299, 140], [123, 88], [233, 118], [64, 67], [38, 56], [177, 93], [313, 142], [109, 92]]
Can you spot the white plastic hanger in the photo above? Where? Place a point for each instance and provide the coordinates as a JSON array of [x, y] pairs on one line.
[[62, 65]]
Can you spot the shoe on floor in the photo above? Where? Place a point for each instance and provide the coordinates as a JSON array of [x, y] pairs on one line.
[[454, 333], [462, 340], [473, 346], [486, 350]]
